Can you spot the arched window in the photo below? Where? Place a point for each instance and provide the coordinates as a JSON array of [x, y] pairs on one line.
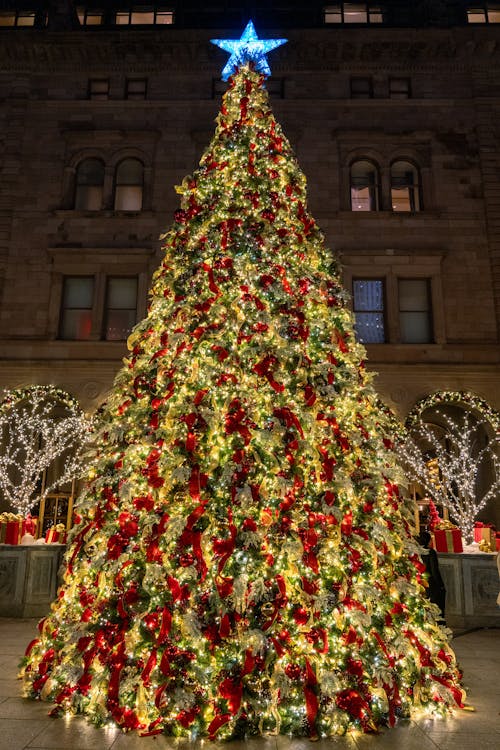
[[405, 188], [364, 186], [129, 182], [89, 185]]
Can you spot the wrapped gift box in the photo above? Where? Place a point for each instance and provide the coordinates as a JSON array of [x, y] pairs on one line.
[[448, 539], [485, 531], [56, 534], [497, 540], [11, 528]]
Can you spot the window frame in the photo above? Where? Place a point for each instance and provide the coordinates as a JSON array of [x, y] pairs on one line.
[[156, 10], [392, 265], [106, 309], [415, 191], [117, 185], [136, 96], [394, 93], [78, 185], [63, 309], [483, 10], [370, 11], [96, 96], [376, 186], [16, 15], [428, 310], [382, 279]]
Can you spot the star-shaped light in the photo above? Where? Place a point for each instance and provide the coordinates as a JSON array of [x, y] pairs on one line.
[[249, 48]]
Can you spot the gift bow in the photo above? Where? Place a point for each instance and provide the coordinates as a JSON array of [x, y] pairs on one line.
[[445, 526]]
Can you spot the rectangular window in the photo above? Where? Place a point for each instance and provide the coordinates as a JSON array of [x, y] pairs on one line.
[[144, 16], [399, 88], [415, 314], [76, 308], [368, 305], [17, 18], [494, 14], [99, 88], [87, 17], [136, 88], [121, 307], [476, 15], [361, 88], [353, 13], [333, 14]]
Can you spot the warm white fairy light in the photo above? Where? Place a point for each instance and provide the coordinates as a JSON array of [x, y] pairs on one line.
[[33, 438], [449, 465]]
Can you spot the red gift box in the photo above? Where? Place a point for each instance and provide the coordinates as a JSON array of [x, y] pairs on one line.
[[447, 540], [56, 534], [485, 531], [497, 539], [11, 528]]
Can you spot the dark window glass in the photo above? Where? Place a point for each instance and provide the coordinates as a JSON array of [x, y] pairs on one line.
[[99, 88], [368, 303], [89, 185], [136, 88], [364, 186], [405, 189], [128, 185], [415, 316], [121, 307], [361, 88], [76, 308], [399, 88]]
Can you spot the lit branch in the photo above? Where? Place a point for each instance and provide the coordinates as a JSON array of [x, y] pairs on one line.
[[449, 466], [33, 439]]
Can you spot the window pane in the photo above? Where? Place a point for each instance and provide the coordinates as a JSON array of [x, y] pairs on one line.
[[364, 187], [128, 198], [26, 19], [333, 14], [415, 311], [129, 172], [415, 327], [494, 16], [121, 308], [164, 16], [136, 88], [76, 309], [90, 172], [476, 15], [368, 305], [355, 13], [413, 294], [78, 291], [375, 15], [88, 198], [119, 323], [139, 17], [93, 19], [76, 325], [368, 294], [401, 200], [122, 18], [369, 328], [122, 293], [98, 88], [7, 19], [399, 88], [361, 88]]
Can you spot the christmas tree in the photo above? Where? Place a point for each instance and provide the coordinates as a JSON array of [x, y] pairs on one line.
[[242, 560]]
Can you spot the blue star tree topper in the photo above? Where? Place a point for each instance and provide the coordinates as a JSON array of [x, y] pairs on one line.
[[248, 49]]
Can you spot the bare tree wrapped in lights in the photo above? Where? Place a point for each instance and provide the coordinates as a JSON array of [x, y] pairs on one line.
[[39, 426], [448, 460]]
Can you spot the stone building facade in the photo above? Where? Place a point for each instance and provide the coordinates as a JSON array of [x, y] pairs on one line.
[[347, 94]]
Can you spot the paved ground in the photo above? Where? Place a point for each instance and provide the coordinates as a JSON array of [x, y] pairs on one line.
[[24, 724]]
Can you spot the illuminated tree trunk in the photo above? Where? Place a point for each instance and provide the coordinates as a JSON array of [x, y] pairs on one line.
[[244, 560]]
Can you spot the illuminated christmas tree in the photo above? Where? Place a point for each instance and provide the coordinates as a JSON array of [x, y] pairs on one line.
[[243, 562]]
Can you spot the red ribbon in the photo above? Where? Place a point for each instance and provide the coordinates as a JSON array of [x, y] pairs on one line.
[[311, 697]]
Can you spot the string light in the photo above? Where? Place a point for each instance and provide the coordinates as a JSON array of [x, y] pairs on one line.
[[34, 438], [243, 560], [448, 457]]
